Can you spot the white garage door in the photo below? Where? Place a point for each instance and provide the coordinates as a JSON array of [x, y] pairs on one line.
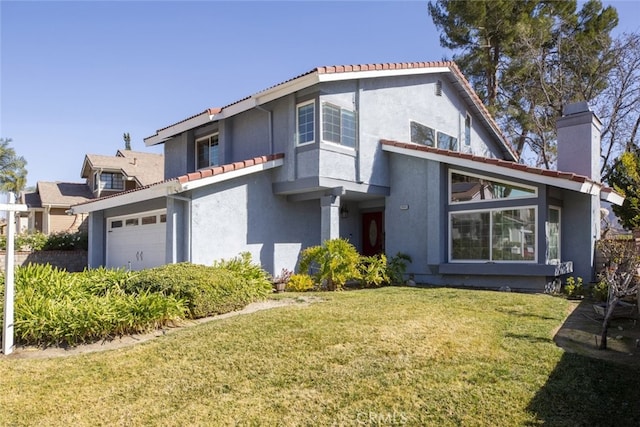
[[137, 241]]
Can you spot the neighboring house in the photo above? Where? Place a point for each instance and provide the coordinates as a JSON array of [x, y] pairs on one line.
[[393, 157], [127, 170], [48, 207]]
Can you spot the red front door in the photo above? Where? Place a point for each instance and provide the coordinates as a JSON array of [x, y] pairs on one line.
[[372, 233]]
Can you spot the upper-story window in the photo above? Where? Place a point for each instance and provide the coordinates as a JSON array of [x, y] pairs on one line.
[[447, 142], [338, 125], [475, 188], [467, 130], [421, 134], [305, 122], [108, 181], [207, 151]]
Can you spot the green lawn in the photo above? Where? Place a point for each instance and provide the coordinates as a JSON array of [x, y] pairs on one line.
[[391, 356]]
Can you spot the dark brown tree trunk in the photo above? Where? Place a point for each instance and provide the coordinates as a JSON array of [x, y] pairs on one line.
[[605, 323]]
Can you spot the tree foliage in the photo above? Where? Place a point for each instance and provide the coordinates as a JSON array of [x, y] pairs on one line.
[[619, 104], [13, 172], [624, 177], [621, 269], [527, 59]]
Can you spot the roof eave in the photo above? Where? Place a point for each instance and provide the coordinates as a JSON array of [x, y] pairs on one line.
[[612, 197], [127, 198], [171, 131], [202, 182], [588, 187]]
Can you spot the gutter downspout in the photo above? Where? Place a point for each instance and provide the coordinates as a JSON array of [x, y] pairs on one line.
[[357, 111], [270, 113], [174, 234]]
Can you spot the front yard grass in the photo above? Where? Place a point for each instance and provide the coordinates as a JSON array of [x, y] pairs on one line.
[[390, 356]]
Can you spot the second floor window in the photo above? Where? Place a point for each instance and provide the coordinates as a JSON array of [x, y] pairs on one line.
[[111, 181], [338, 125], [207, 151], [305, 122]]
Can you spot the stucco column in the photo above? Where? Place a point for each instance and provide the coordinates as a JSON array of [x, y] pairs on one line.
[[329, 217]]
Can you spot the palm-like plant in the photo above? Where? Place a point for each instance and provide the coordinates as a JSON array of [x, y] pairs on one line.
[[13, 172]]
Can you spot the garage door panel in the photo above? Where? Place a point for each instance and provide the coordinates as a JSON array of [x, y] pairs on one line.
[[136, 246]]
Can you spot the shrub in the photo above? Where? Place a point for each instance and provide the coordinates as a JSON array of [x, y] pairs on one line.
[[600, 290], [66, 241], [334, 263], [40, 242], [574, 287], [53, 307], [206, 290], [244, 267], [397, 267], [374, 270], [300, 283]]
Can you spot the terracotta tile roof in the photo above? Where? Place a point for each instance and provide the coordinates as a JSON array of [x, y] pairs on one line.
[[335, 69], [208, 111], [203, 173], [147, 168], [491, 161]]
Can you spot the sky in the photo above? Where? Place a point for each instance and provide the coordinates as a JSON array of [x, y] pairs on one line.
[[76, 75]]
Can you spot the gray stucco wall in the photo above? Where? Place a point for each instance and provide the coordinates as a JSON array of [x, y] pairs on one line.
[[414, 214], [580, 227], [96, 243], [244, 215]]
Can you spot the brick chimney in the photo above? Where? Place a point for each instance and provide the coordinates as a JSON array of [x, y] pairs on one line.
[[579, 141]]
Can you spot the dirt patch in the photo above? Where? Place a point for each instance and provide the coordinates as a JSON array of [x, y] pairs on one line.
[[29, 352], [580, 333]]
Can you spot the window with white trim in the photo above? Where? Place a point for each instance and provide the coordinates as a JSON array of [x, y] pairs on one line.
[[305, 122], [501, 234], [207, 151], [467, 130], [447, 142], [553, 236], [425, 135], [466, 187], [421, 134], [111, 181], [338, 125]]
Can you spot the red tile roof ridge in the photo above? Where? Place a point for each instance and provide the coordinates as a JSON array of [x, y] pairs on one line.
[[200, 174], [499, 162], [208, 111]]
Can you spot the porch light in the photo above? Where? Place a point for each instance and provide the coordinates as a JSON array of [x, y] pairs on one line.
[[344, 211]]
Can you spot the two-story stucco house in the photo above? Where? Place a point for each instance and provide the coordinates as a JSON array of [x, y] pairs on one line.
[[393, 157]]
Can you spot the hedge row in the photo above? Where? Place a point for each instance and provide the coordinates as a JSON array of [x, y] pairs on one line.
[[53, 307]]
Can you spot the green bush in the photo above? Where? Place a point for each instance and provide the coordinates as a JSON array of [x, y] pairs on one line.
[[374, 270], [600, 290], [397, 267], [574, 288], [66, 241], [332, 264], [244, 267], [299, 283], [40, 242], [53, 307], [206, 290]]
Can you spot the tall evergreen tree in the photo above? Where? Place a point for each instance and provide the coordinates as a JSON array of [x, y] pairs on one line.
[[527, 59], [127, 141]]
